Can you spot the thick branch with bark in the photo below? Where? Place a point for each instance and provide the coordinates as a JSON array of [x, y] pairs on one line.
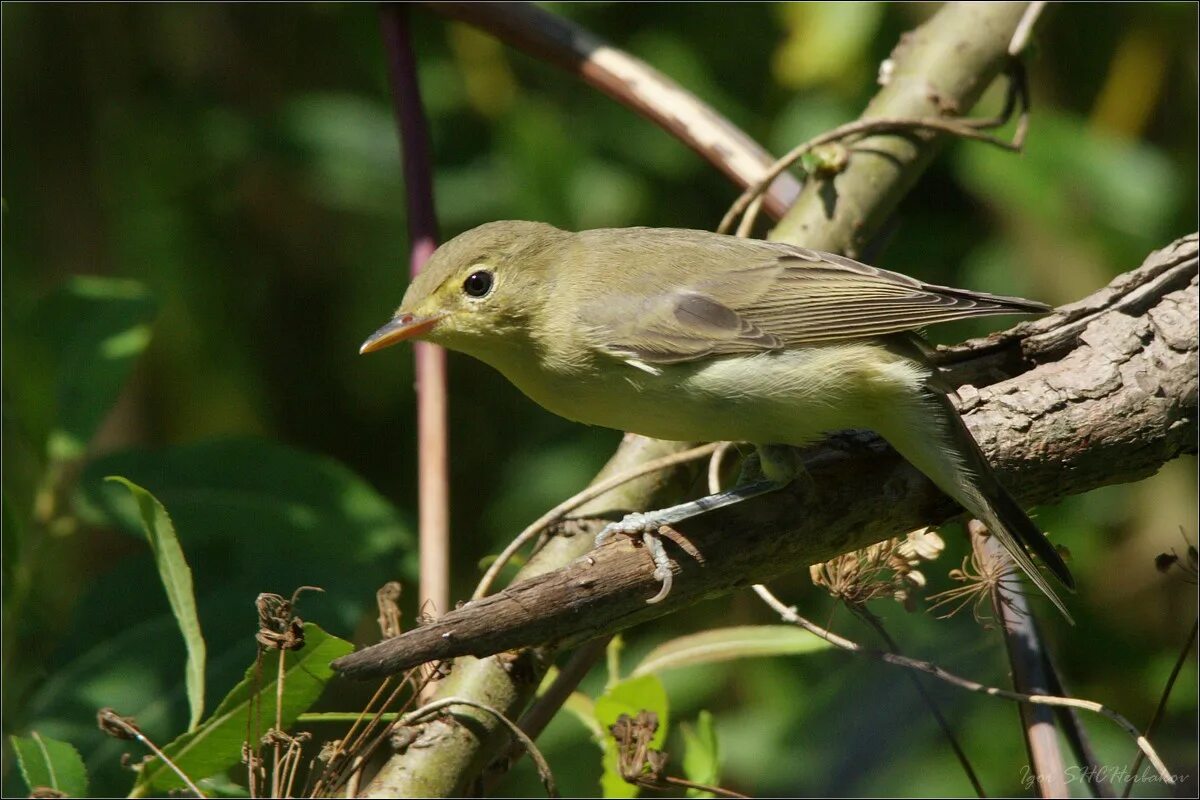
[[1102, 391], [447, 755], [937, 70]]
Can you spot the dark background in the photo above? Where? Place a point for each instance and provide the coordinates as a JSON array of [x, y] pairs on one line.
[[241, 163]]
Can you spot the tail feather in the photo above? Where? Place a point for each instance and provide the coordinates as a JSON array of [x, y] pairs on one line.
[[1027, 533], [952, 460]]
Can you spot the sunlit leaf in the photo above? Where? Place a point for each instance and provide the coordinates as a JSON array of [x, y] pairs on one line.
[[95, 328], [629, 697], [724, 644], [701, 756], [217, 744], [177, 580], [48, 763], [257, 496]]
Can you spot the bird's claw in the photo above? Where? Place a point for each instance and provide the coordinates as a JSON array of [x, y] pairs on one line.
[[634, 524], [649, 529]]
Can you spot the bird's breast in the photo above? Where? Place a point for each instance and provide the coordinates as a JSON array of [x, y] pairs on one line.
[[786, 397]]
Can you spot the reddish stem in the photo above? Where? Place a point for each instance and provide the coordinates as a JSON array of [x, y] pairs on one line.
[[433, 457]]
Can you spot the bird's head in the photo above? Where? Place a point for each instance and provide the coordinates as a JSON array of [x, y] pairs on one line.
[[478, 291]]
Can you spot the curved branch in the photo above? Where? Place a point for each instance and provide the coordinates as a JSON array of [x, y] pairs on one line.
[[1114, 404], [447, 765], [632, 83], [937, 70]]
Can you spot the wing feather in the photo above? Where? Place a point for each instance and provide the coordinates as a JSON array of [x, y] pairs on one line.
[[776, 296]]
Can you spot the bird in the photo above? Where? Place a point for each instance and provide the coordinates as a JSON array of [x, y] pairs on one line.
[[690, 335]]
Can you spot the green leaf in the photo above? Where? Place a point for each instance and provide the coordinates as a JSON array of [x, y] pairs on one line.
[[701, 757], [612, 661], [1074, 180], [137, 672], [95, 328], [217, 744], [177, 580], [583, 708], [254, 516], [271, 503], [725, 644], [50, 763], [629, 697], [825, 42]]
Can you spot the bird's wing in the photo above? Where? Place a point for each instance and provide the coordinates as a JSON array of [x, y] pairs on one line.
[[792, 297]]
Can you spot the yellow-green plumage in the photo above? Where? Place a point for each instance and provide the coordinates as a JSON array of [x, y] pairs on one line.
[[687, 335]]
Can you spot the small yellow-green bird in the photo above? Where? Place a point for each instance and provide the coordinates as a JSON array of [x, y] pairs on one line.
[[695, 336]]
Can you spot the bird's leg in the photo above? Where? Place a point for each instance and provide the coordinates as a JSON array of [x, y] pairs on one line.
[[774, 468]]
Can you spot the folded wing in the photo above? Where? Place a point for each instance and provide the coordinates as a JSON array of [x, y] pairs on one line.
[[784, 297]]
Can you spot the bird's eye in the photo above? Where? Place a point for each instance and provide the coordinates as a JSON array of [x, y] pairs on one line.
[[478, 283]]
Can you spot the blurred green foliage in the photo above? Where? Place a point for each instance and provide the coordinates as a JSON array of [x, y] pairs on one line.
[[203, 216]]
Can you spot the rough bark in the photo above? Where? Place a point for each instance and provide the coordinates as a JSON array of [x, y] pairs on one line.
[[1107, 394], [445, 761], [937, 70]]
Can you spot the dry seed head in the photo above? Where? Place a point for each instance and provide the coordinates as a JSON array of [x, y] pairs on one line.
[[882, 569]]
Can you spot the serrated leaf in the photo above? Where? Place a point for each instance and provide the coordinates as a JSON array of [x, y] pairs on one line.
[[701, 756], [177, 580], [217, 744], [645, 693], [50, 763], [725, 644]]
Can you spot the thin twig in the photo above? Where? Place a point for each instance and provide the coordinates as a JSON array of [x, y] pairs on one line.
[[632, 83], [714, 467], [291, 763], [535, 720], [571, 503], [539, 761], [280, 676], [433, 480], [700, 787], [1020, 37], [360, 751], [1025, 656], [860, 127], [747, 205], [790, 615], [335, 772], [342, 760], [547, 704], [114, 724], [1162, 705], [864, 614], [1071, 723]]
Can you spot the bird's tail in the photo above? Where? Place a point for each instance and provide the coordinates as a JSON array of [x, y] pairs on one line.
[[934, 439]]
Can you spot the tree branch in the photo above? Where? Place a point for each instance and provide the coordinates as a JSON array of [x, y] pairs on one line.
[[451, 757], [632, 83], [1028, 662], [1104, 392], [937, 70]]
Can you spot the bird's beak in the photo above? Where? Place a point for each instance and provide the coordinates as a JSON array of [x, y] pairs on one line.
[[403, 326]]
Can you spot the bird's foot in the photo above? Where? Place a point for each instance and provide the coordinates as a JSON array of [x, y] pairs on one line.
[[649, 528]]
